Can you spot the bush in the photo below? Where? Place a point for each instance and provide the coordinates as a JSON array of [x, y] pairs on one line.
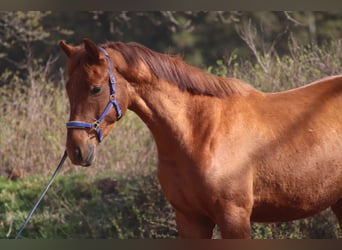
[[273, 73]]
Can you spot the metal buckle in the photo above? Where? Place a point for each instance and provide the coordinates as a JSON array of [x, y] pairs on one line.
[[95, 125]]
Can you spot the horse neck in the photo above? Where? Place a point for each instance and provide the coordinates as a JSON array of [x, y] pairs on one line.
[[164, 109]]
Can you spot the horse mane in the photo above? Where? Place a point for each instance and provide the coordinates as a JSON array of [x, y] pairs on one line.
[[176, 71]]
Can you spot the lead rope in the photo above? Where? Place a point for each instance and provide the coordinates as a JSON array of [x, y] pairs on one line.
[[60, 164]]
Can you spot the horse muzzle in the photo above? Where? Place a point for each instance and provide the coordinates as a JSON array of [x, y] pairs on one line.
[[83, 156]]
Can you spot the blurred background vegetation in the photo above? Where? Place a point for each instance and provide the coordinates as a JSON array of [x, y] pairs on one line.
[[119, 197]]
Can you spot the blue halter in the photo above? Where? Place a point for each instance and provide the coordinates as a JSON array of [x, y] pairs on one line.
[[112, 102]]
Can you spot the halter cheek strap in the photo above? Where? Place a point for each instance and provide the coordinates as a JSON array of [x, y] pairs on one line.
[[112, 102]]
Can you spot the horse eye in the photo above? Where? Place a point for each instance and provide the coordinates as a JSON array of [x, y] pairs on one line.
[[95, 90]]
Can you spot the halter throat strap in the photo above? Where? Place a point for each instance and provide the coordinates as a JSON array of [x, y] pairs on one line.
[[112, 102]]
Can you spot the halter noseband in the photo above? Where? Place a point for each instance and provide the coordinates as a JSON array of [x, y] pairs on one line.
[[112, 102]]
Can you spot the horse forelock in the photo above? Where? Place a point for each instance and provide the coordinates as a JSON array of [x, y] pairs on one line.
[[176, 71]]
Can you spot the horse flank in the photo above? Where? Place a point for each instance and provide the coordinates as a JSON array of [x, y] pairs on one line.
[[174, 70]]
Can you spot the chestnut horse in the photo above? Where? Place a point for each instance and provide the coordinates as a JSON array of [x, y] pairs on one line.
[[228, 154]]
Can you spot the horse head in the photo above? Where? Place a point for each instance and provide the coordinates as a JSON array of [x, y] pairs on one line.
[[98, 97]]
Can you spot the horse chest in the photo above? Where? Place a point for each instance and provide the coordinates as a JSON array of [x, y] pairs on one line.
[[182, 186]]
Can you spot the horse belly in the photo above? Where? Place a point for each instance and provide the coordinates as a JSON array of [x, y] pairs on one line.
[[297, 194], [267, 212]]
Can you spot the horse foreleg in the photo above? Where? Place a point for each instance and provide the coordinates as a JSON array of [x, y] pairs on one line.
[[194, 226], [234, 223], [337, 209]]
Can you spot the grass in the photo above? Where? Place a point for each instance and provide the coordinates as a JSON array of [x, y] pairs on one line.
[[120, 196], [79, 206]]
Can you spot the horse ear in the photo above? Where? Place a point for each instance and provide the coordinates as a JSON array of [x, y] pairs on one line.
[[92, 49], [68, 49]]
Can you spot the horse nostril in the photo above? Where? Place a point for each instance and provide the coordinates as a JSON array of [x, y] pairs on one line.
[[78, 154]]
